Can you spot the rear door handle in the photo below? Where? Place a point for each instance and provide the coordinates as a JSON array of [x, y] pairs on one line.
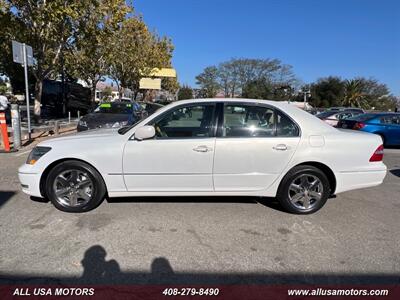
[[280, 147], [202, 149]]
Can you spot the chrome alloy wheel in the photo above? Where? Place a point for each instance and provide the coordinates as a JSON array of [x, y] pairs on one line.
[[73, 188], [305, 191]]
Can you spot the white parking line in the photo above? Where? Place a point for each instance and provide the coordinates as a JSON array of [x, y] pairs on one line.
[[22, 153]]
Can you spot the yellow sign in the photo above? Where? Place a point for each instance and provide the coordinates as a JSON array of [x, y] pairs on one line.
[[150, 83], [163, 72]]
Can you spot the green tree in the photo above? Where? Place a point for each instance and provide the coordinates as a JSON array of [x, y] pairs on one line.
[[354, 94], [93, 34], [208, 82], [239, 76], [48, 27], [369, 94], [135, 52], [106, 94], [3, 87], [257, 89], [11, 29], [185, 92], [327, 92]]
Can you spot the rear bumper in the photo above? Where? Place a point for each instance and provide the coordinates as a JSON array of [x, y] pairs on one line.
[[347, 181]]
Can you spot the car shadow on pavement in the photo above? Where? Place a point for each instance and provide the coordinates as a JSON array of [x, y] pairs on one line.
[[39, 199], [99, 271], [395, 172], [266, 201], [185, 199], [5, 196]]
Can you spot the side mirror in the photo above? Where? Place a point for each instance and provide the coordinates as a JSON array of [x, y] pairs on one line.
[[145, 132]]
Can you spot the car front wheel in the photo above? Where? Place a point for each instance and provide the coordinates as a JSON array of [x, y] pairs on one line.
[[74, 186], [304, 190]]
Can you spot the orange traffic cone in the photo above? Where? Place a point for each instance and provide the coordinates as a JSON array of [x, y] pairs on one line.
[[4, 132]]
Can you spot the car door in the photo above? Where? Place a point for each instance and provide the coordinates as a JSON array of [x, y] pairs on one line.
[[179, 158], [254, 144], [394, 130]]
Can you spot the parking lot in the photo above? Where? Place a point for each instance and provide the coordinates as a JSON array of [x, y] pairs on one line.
[[354, 239]]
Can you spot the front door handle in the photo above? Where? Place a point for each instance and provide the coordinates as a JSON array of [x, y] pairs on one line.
[[202, 149], [280, 147]]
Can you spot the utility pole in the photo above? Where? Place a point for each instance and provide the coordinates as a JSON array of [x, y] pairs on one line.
[[306, 93], [28, 113], [22, 54]]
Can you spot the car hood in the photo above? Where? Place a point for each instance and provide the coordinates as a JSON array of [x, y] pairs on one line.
[[95, 119], [84, 136]]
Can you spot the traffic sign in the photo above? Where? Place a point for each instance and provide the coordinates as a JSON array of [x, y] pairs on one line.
[[150, 83], [160, 72], [18, 53]]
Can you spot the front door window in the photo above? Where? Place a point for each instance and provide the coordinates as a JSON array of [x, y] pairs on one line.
[[186, 122]]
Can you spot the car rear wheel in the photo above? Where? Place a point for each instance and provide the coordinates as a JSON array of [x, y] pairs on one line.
[[74, 186], [304, 190]]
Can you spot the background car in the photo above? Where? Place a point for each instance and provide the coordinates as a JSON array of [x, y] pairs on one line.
[[111, 115], [332, 117], [387, 125], [342, 108]]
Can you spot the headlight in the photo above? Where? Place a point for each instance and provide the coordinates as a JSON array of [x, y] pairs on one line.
[[36, 153], [82, 123]]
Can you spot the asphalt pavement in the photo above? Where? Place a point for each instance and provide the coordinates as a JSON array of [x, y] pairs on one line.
[[355, 238]]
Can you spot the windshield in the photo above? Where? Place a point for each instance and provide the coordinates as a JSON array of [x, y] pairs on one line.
[[116, 108]]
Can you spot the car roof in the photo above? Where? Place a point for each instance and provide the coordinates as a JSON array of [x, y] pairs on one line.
[[378, 114]]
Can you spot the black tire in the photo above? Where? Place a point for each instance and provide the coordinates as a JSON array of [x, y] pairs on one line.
[[283, 194], [97, 187]]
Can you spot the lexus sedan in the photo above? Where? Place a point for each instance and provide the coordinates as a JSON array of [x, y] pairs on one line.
[[387, 125], [207, 147]]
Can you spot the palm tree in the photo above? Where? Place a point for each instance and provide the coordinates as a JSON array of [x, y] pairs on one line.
[[354, 95]]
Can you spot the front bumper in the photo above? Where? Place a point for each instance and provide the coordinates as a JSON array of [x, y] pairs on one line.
[[30, 182], [80, 128]]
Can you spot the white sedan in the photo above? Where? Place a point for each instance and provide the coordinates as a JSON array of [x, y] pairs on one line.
[[207, 147]]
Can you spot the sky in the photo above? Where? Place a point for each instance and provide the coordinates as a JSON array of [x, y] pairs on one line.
[[346, 38]]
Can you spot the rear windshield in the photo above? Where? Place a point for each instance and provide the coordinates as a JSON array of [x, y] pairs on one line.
[[363, 117], [326, 114]]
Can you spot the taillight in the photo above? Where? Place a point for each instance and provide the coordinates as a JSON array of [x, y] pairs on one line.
[[358, 126], [378, 154]]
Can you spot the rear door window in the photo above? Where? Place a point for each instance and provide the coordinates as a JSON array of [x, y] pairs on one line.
[[242, 120], [248, 121], [285, 127]]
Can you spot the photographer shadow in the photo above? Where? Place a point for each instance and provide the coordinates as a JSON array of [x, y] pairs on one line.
[[96, 269]]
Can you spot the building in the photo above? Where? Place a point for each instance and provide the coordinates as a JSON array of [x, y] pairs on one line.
[[101, 95]]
